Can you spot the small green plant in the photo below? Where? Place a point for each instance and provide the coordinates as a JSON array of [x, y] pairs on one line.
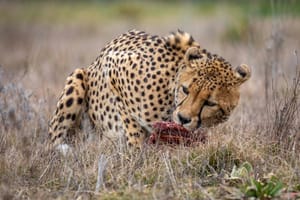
[[266, 188], [240, 175], [244, 171]]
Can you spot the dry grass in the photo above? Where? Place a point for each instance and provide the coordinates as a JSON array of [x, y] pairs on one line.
[[264, 129]]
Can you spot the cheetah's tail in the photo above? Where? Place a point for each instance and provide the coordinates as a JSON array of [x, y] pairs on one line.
[[67, 117]]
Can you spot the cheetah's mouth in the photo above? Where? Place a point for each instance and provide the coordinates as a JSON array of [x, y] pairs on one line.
[[190, 124]]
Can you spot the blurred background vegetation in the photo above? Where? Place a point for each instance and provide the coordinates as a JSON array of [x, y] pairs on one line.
[[222, 21], [99, 12]]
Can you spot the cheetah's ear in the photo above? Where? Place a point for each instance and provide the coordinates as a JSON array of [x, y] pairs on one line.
[[192, 53], [243, 73]]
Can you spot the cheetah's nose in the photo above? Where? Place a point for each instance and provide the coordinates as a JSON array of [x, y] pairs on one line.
[[183, 120]]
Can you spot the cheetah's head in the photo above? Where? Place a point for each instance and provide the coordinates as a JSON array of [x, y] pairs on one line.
[[207, 89]]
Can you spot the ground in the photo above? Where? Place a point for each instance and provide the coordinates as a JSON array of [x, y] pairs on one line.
[[39, 47]]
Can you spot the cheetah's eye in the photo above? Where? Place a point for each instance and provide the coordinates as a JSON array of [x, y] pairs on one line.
[[209, 103], [185, 90]]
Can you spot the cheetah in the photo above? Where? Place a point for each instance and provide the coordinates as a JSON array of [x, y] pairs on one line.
[[139, 79]]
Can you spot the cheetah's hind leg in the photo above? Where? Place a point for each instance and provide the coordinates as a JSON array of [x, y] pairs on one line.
[[67, 116]]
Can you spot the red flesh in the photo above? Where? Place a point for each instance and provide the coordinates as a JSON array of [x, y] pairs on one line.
[[172, 133]]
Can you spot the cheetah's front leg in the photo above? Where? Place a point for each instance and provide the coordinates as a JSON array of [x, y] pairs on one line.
[[120, 81], [135, 134]]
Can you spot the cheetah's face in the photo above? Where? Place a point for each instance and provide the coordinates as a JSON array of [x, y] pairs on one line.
[[207, 89]]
